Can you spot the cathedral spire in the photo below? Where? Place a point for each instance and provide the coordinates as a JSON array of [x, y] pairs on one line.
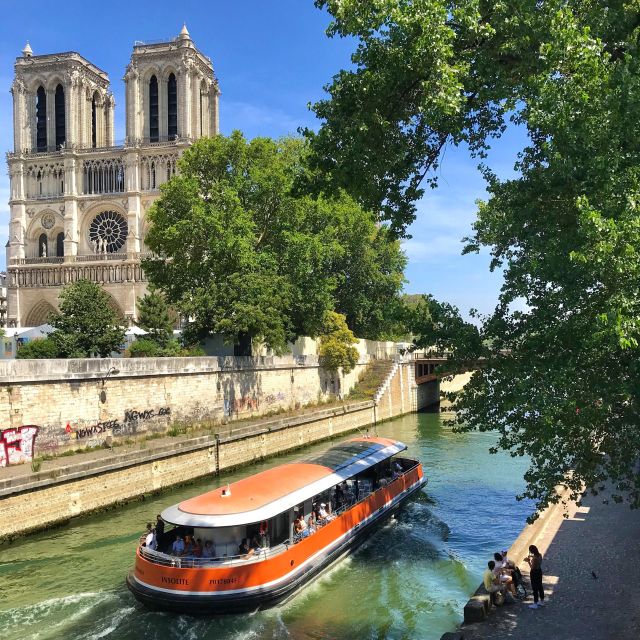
[[27, 52], [184, 33]]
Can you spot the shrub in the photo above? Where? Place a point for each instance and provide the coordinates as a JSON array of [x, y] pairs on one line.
[[40, 348], [336, 350], [144, 348]]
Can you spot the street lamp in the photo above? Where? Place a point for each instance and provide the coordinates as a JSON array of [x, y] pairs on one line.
[[103, 393]]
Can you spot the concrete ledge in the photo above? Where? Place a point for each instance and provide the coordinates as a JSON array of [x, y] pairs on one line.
[[15, 371], [477, 608]]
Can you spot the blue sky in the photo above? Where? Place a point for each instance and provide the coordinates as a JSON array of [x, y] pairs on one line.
[[272, 59]]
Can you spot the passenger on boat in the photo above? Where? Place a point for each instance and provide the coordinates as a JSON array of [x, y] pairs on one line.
[[207, 551], [340, 496], [143, 537], [197, 548], [151, 542], [264, 534], [188, 546], [300, 527], [312, 521], [323, 515], [245, 550], [177, 548]]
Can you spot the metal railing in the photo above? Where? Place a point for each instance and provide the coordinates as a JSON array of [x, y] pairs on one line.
[[182, 562]]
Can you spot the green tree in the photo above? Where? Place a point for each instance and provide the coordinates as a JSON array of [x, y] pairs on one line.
[[369, 266], [154, 316], [242, 252], [40, 348], [440, 325], [86, 325], [561, 381], [336, 344]]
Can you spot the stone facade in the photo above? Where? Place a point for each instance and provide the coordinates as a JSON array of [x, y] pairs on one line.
[[77, 198]]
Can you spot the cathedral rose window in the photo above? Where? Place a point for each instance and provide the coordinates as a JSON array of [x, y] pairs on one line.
[[107, 232]]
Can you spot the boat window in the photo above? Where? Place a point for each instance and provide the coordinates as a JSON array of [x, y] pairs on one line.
[[338, 456]]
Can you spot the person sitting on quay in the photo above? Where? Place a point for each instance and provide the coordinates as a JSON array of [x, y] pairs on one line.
[[491, 581], [503, 573]]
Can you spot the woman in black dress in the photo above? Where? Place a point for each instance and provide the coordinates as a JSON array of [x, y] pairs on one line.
[[535, 563]]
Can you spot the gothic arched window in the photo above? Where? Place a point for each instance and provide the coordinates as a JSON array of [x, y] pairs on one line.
[[153, 109], [94, 124], [172, 107], [41, 119], [42, 245], [60, 244], [60, 117]]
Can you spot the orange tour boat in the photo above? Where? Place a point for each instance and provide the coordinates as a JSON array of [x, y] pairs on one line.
[[255, 542]]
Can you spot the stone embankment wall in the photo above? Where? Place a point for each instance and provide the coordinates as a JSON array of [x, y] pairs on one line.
[[450, 384], [71, 404], [38, 500]]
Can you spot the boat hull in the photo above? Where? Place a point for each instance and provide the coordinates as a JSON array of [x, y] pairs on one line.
[[249, 587]]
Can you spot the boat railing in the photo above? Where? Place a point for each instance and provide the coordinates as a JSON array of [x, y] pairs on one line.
[[365, 491], [168, 560]]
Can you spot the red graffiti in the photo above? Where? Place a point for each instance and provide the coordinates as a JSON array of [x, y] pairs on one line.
[[16, 445], [240, 404]]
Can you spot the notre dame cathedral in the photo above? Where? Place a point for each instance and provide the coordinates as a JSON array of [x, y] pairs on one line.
[[78, 198]]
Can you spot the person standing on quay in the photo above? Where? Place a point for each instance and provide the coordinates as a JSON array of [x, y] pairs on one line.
[[535, 563]]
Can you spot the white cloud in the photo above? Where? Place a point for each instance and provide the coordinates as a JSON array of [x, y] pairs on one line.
[[432, 249]]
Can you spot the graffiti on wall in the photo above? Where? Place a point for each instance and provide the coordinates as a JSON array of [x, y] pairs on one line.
[[16, 445], [128, 426], [275, 397]]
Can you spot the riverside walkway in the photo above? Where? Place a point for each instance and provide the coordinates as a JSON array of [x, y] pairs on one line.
[[591, 579]]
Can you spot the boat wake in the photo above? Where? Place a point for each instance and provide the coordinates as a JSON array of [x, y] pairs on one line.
[[54, 618]]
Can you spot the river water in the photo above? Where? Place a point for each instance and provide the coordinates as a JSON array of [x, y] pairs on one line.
[[410, 580]]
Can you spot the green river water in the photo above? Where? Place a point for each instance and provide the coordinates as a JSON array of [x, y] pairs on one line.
[[410, 579]]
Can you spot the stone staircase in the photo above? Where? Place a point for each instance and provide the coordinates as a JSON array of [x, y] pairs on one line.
[[377, 374], [386, 382]]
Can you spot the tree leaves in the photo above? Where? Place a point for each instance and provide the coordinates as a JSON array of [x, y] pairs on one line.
[[560, 382], [243, 251], [86, 324]]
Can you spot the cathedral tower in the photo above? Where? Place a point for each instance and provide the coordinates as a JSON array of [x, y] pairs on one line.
[[78, 200]]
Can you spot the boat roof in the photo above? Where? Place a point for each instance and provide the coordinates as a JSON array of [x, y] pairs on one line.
[[268, 493]]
